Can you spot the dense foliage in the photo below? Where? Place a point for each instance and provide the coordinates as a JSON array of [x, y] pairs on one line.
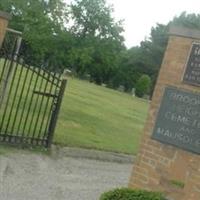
[[147, 58], [84, 37], [129, 194], [143, 86]]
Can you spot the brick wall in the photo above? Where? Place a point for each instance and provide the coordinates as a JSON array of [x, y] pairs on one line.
[[4, 17], [158, 165]]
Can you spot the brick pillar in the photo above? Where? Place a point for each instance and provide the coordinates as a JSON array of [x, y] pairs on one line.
[[158, 165], [4, 18]]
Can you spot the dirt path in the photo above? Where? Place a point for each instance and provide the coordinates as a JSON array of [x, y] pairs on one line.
[[30, 176]]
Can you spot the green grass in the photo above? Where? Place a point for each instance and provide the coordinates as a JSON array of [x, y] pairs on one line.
[[91, 116], [97, 117]]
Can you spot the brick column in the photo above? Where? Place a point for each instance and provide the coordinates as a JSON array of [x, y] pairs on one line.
[[157, 164], [4, 18]]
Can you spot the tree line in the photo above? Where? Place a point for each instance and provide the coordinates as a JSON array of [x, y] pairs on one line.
[[84, 37]]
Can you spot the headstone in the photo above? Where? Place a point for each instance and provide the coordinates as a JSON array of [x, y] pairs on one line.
[[133, 92], [146, 96], [121, 88], [169, 155]]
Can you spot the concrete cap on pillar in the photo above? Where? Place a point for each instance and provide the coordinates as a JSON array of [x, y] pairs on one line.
[[5, 15], [184, 32]]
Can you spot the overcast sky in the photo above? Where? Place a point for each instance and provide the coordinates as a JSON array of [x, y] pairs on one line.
[[141, 15]]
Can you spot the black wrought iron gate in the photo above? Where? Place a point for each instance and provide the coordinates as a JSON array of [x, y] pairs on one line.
[[30, 99]]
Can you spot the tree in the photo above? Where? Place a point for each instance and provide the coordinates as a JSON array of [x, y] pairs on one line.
[[41, 22], [147, 58], [85, 37], [98, 40], [129, 70], [153, 51], [82, 36], [187, 20], [143, 85]]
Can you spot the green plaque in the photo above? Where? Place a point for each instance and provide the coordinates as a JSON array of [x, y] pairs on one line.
[[178, 120]]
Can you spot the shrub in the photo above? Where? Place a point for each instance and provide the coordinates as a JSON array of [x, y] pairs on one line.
[[130, 194], [143, 85]]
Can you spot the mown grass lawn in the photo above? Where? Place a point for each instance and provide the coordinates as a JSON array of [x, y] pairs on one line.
[[97, 117], [91, 116]]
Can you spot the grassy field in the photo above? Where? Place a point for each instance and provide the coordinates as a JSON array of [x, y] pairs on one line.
[[97, 117], [91, 116]]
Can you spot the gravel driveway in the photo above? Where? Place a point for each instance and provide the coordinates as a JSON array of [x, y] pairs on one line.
[[32, 176]]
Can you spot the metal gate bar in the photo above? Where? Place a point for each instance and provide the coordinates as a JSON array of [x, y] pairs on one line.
[[30, 99]]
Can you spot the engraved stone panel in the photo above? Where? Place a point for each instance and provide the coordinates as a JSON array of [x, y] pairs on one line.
[[178, 120]]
